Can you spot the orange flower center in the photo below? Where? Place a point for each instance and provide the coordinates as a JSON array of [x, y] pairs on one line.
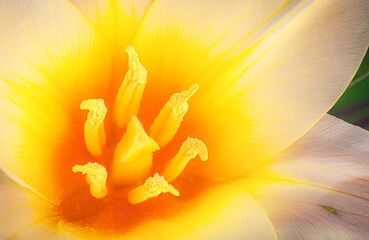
[[124, 184]]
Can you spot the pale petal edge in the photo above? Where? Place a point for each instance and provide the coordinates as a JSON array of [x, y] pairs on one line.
[[318, 187]]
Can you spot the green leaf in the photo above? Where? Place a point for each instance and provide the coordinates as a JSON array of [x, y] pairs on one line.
[[353, 106]]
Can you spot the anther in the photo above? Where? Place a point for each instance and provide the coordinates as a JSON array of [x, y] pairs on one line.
[[189, 149], [166, 124], [96, 176], [152, 187], [94, 126], [129, 96], [133, 155]]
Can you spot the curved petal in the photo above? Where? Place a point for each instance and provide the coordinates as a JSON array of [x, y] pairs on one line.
[[267, 70], [51, 59], [23, 215], [318, 187], [223, 212], [117, 21]]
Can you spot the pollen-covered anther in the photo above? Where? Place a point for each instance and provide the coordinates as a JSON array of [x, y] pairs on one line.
[[94, 126], [189, 150], [133, 155], [152, 187], [129, 96], [166, 124], [96, 176]]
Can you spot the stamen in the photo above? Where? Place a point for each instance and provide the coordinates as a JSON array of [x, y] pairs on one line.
[[96, 176], [130, 92], [152, 187], [189, 149], [166, 124], [94, 126], [133, 155]]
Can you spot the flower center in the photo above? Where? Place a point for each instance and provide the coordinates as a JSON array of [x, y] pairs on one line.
[[132, 161]]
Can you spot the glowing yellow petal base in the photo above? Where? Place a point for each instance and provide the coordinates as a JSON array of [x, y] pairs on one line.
[[132, 162]]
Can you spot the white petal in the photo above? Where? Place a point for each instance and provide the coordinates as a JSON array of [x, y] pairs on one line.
[[51, 59], [318, 188], [23, 215]]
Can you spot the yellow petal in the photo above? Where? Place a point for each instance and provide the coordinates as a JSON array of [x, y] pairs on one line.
[[23, 215], [117, 21], [267, 70], [318, 187], [178, 44], [223, 212], [51, 59]]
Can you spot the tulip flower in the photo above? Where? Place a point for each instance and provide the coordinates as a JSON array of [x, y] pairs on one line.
[[175, 119]]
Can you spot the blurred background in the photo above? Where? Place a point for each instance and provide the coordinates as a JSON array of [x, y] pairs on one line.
[[353, 106]]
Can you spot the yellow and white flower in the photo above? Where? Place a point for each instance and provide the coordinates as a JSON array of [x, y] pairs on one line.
[[245, 85]]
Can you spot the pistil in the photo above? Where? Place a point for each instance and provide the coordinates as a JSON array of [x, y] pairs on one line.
[[166, 124], [152, 187], [133, 155], [96, 176], [189, 150], [94, 126], [128, 100]]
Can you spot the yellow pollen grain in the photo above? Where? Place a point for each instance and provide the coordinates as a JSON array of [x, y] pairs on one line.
[[189, 150], [96, 176], [166, 124], [129, 96], [152, 187], [94, 126], [133, 155]]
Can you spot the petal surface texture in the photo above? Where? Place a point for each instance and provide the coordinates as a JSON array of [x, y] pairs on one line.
[[117, 21], [23, 215], [223, 212], [51, 59], [318, 187], [267, 70]]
